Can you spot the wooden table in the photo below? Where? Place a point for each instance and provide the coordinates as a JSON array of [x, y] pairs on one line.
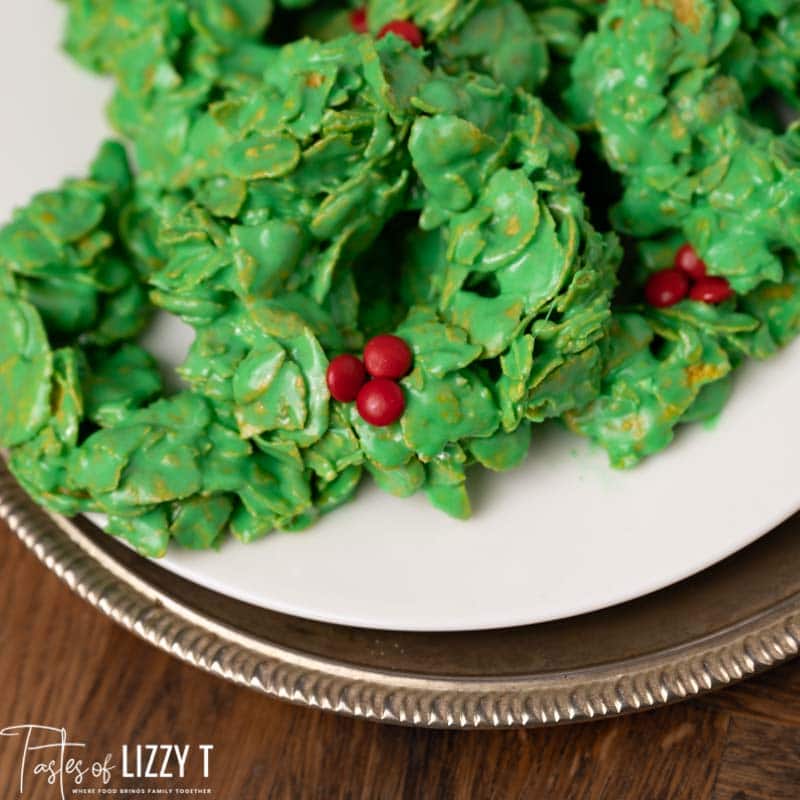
[[62, 664]]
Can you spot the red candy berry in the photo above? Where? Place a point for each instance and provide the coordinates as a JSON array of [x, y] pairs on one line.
[[666, 287], [711, 290], [403, 28], [345, 376], [358, 20], [387, 356], [381, 402], [689, 263]]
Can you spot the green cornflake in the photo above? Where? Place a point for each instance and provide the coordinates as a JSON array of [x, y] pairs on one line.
[[777, 307], [269, 394], [26, 367], [199, 522], [276, 490], [260, 156], [42, 462], [710, 401], [384, 447], [570, 384], [445, 484], [64, 217], [332, 494], [148, 533], [502, 451], [438, 348], [502, 40], [336, 451], [247, 527], [401, 481], [441, 410], [120, 382]]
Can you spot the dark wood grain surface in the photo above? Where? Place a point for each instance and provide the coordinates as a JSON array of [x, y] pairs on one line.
[[64, 665]]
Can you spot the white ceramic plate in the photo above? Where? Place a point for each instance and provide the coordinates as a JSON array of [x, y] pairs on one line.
[[562, 535]]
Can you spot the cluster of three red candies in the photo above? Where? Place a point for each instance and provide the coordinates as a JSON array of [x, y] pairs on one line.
[[403, 28], [379, 398], [688, 277]]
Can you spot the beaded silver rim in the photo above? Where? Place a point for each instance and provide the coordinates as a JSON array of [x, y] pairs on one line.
[[530, 700]]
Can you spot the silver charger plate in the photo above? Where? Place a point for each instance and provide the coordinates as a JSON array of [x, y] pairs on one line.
[[733, 620]]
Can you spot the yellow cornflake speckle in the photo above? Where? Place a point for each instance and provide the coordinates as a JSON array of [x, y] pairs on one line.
[[783, 291], [704, 373], [686, 13]]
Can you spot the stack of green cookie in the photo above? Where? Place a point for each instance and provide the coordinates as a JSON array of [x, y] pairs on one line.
[[307, 176]]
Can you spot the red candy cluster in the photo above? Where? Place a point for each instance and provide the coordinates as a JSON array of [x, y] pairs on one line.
[[689, 277], [358, 20], [380, 401], [403, 28]]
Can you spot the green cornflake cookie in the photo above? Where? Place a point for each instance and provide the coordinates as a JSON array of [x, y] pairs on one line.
[[694, 166]]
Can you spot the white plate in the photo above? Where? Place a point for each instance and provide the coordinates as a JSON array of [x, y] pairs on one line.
[[562, 535]]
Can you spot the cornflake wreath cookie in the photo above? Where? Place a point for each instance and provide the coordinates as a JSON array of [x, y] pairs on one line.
[[713, 199], [292, 203]]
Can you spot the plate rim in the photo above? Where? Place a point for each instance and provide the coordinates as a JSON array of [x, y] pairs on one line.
[[532, 700]]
